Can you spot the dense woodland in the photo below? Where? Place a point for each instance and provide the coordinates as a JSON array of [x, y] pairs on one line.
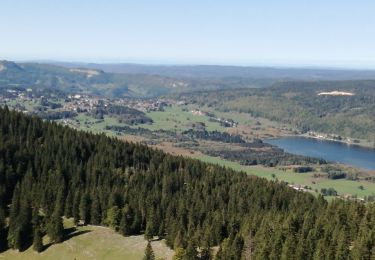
[[263, 154], [124, 114], [48, 171], [214, 136]]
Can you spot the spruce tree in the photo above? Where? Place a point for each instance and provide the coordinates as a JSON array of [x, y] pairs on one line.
[[191, 252], [113, 217], [96, 216], [37, 240], [3, 235], [150, 227], [68, 208], [149, 253], [84, 208], [37, 234], [180, 254], [55, 227], [75, 209], [14, 225], [126, 221]]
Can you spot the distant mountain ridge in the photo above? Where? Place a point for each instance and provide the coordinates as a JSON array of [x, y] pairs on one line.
[[84, 80], [133, 80], [221, 71]]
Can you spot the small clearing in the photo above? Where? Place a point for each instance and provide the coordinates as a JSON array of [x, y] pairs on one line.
[[336, 93], [94, 242], [89, 73]]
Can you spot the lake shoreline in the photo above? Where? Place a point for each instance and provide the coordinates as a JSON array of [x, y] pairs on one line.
[[361, 145], [329, 150]]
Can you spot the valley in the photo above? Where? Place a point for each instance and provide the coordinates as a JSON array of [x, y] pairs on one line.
[[187, 130], [193, 125]]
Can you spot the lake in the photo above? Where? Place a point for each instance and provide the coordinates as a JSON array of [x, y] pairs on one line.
[[329, 150]]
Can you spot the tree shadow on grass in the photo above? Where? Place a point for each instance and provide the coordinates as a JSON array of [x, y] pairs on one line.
[[68, 234], [76, 233]]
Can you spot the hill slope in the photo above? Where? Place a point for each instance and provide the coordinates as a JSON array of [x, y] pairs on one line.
[[49, 171], [81, 80], [94, 242], [76, 79], [302, 105]]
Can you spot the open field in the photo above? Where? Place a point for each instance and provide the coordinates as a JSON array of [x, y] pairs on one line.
[[174, 118], [94, 242], [341, 186]]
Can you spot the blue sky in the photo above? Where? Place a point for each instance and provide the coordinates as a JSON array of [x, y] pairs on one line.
[[339, 33]]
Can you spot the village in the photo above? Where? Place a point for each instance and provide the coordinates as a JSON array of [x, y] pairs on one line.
[[77, 102]]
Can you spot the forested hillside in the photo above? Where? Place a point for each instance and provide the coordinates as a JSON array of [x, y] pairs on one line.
[[298, 103], [78, 80], [48, 171], [98, 82]]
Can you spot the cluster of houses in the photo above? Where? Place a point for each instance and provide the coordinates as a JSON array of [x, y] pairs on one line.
[[7, 95], [299, 187], [330, 137], [83, 103], [146, 105]]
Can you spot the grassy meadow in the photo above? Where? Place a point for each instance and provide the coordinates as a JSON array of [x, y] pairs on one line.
[[341, 186], [93, 242]]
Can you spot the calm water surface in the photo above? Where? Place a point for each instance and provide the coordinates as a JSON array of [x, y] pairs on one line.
[[328, 150]]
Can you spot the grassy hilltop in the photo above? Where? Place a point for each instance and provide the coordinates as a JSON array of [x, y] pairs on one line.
[[93, 242]]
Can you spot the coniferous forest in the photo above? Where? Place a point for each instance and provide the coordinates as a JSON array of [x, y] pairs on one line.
[[48, 171]]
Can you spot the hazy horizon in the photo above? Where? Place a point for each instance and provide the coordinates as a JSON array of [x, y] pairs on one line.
[[176, 63], [273, 33]]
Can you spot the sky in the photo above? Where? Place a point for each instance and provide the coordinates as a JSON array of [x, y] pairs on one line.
[[330, 33]]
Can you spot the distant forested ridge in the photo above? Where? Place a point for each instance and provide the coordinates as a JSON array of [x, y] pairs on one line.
[[48, 171], [113, 85], [299, 104]]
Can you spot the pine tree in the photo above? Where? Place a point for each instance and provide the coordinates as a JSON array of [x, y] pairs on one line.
[[14, 228], [96, 216], [37, 240], [180, 254], [288, 248], [126, 221], [191, 252], [18, 241], [68, 208], [84, 208], [342, 250], [113, 217], [37, 234], [55, 227], [3, 243], [150, 228], [149, 253], [75, 209], [20, 228]]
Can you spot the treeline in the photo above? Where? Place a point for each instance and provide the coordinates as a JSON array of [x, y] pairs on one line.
[[214, 136], [48, 171], [267, 155], [56, 115], [124, 114]]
